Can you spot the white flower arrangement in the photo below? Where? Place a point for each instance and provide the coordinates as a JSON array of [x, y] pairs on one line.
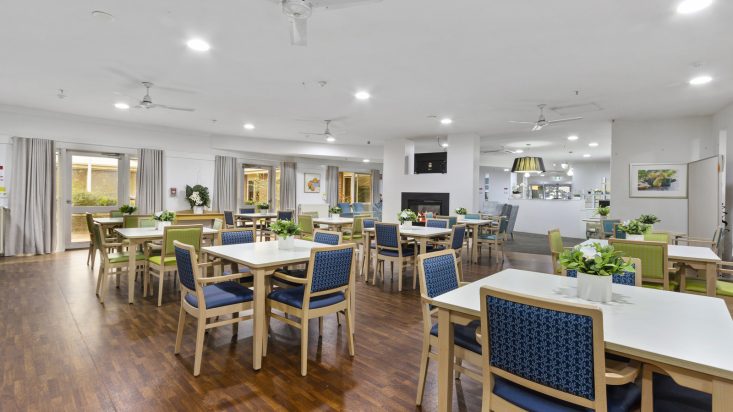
[[407, 215], [196, 199]]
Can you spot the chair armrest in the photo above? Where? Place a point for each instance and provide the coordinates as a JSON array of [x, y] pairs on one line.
[[621, 373], [460, 284], [289, 278], [116, 244], [226, 278]]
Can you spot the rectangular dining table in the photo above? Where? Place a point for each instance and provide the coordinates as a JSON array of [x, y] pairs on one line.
[[262, 259], [688, 336], [256, 217], [137, 236], [337, 223], [107, 222], [697, 257]]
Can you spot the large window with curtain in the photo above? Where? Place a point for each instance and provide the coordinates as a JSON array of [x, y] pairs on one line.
[[257, 185], [355, 187]]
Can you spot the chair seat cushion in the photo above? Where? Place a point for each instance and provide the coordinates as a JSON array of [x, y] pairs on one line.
[[124, 257], [222, 294], [463, 335], [406, 251], [435, 248], [673, 285], [169, 260], [294, 297], [669, 396], [487, 237], [621, 398], [722, 287]]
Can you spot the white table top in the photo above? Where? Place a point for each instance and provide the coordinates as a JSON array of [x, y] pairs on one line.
[[686, 330], [150, 232], [264, 254], [699, 253], [108, 220], [256, 215], [477, 222], [333, 220], [420, 231]]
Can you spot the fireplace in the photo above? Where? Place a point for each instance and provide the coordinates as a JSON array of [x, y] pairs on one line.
[[437, 203]]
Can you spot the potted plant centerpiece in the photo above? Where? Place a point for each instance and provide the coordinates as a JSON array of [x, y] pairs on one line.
[[198, 198], [406, 217], [595, 270], [649, 220], [262, 207], [127, 209], [335, 211], [603, 211], [164, 218], [461, 211], [285, 230], [634, 229]]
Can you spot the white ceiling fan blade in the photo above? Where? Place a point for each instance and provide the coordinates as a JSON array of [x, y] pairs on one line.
[[182, 109], [570, 119], [340, 4], [537, 128], [518, 122], [299, 32]]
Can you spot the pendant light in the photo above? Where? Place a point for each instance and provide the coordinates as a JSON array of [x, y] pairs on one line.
[[528, 164]]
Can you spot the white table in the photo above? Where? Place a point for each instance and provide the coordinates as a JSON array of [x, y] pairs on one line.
[[475, 224], [697, 257], [334, 222], [256, 217], [107, 222], [686, 335], [262, 258], [137, 236]]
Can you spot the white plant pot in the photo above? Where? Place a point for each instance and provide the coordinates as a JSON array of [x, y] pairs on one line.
[[160, 224], [262, 211], [336, 215], [285, 243], [634, 237], [595, 288], [198, 210], [406, 224]]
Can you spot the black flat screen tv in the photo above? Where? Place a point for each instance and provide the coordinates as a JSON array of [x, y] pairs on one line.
[[431, 162]]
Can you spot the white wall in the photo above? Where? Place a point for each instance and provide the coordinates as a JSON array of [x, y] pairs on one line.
[[500, 187], [589, 175], [723, 125], [679, 140]]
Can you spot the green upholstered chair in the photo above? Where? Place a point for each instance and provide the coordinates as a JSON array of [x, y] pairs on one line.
[[129, 221], [723, 287], [714, 243], [556, 248], [356, 230], [146, 222], [113, 263], [159, 266], [115, 213], [657, 237], [654, 261], [218, 224], [92, 255], [305, 222]]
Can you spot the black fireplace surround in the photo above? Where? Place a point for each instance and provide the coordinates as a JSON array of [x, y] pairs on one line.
[[426, 202]]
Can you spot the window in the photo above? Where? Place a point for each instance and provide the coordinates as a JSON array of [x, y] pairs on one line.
[[355, 187], [93, 181], [257, 185], [133, 181]]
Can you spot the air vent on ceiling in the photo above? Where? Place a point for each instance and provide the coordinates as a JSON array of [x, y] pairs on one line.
[[576, 109]]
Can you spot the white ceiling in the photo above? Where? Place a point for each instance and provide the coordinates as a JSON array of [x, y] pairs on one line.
[[480, 62]]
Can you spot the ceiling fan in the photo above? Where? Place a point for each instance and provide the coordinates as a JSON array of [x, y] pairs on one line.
[[147, 101], [326, 133], [501, 150], [542, 121], [300, 10]]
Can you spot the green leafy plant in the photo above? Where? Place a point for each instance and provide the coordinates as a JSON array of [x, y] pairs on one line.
[[90, 199], [634, 227], [603, 211], [262, 206], [461, 211], [198, 196], [335, 210], [648, 219], [285, 228], [407, 215], [165, 216], [128, 209], [606, 261], [249, 203]]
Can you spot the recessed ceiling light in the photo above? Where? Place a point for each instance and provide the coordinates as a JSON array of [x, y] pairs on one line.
[[446, 120], [199, 45], [519, 151], [564, 165], [572, 137], [586, 155], [249, 126], [693, 6], [330, 139], [526, 174], [122, 105], [700, 80], [362, 95], [593, 144], [444, 144], [570, 172], [365, 160], [506, 170]]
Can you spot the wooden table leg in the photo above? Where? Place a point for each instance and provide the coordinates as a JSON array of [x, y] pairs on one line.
[[423, 241], [131, 269], [722, 396], [474, 244], [259, 318], [445, 361], [711, 277], [368, 255]]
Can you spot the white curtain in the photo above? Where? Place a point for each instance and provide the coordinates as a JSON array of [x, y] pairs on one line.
[[149, 197], [332, 185], [226, 178], [32, 197], [376, 193], [287, 186]]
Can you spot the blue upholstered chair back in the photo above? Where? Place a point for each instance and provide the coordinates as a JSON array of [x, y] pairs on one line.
[[331, 269], [506, 210], [618, 233], [387, 235], [503, 225], [626, 278], [369, 223], [459, 235], [473, 216], [345, 207], [285, 215], [549, 347], [185, 268], [452, 220], [429, 215], [437, 223], [607, 225], [229, 218], [440, 274], [236, 237], [326, 238], [249, 209]]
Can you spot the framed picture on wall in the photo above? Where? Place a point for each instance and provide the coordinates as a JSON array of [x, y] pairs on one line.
[[312, 183], [665, 180]]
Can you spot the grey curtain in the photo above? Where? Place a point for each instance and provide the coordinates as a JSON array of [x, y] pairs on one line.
[[376, 193], [226, 175], [32, 199], [149, 196], [287, 186], [332, 185]]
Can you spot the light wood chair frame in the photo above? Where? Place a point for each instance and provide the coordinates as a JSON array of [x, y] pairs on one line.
[[555, 256], [159, 271], [108, 268], [496, 244], [399, 259]]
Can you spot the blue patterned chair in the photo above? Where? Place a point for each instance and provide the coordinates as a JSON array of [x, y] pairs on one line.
[[608, 228], [437, 223], [626, 278], [452, 220], [229, 218], [544, 355], [327, 289], [328, 237], [285, 215], [391, 248], [366, 250], [246, 209], [455, 243], [472, 216], [661, 393], [494, 238], [239, 236], [207, 298], [439, 274]]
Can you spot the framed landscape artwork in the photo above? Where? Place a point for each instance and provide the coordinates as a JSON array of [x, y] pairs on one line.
[[312, 183], [668, 180]]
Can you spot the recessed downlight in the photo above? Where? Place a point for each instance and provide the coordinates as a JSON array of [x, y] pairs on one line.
[[573, 138], [506, 170], [693, 6], [199, 45], [330, 139], [446, 121], [444, 144], [593, 144], [700, 80], [586, 155], [362, 95], [365, 160], [519, 151], [249, 126], [122, 106]]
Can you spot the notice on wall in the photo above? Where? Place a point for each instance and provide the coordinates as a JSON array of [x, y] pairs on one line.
[[2, 180]]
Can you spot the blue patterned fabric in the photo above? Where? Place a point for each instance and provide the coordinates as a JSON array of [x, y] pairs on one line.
[[386, 235], [222, 294], [459, 235], [463, 335], [452, 220], [619, 234], [229, 218], [503, 225], [608, 225], [487, 237], [437, 223], [285, 215], [294, 297], [669, 396], [473, 216], [185, 268], [331, 269], [244, 210], [552, 348], [369, 223], [406, 251], [440, 274], [326, 238], [626, 278], [237, 237]]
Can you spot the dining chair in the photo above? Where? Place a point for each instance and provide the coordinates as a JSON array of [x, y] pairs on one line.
[[146, 222], [115, 213], [229, 219], [207, 298], [714, 243], [237, 236], [246, 209], [723, 286], [328, 237], [305, 222], [454, 243], [629, 278], [159, 266], [547, 355], [391, 248], [356, 230], [429, 215], [218, 224], [285, 214], [452, 220], [327, 289], [129, 221], [366, 250], [437, 223], [608, 228], [654, 261], [494, 238], [472, 216], [659, 392], [554, 238], [92, 255], [617, 232], [657, 237], [114, 261], [439, 274]]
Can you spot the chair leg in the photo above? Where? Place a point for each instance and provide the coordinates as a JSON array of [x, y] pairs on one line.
[[200, 329], [89, 254], [414, 273], [94, 255], [161, 277], [399, 274], [457, 373], [266, 332], [179, 332], [350, 327], [99, 280], [103, 292], [304, 345], [320, 325], [235, 326], [424, 359]]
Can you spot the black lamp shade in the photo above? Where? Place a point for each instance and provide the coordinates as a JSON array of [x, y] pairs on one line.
[[528, 164]]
